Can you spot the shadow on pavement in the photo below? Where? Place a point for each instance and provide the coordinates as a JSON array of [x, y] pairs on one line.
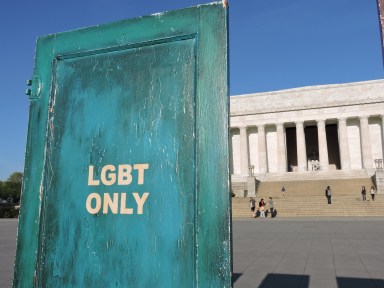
[[302, 281], [285, 280], [235, 276], [267, 214], [344, 282]]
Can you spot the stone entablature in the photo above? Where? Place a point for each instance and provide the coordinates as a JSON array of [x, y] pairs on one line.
[[308, 98], [329, 114]]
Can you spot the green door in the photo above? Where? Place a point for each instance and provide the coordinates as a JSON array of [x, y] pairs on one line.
[[126, 172]]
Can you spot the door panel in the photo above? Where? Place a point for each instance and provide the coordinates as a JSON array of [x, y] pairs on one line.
[[126, 178]]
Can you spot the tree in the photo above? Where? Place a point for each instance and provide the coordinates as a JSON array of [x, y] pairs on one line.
[[16, 177], [2, 190], [12, 187]]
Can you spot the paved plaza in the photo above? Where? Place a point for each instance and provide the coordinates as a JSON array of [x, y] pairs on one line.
[[8, 228], [284, 253], [302, 253]]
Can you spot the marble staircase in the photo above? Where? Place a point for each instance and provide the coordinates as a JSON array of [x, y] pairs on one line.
[[306, 198]]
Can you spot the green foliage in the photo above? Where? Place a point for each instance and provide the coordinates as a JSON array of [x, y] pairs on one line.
[[3, 193], [10, 190], [8, 212], [16, 177], [11, 187], [2, 188]]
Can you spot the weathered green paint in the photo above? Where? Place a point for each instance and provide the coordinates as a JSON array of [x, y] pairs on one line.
[[147, 91]]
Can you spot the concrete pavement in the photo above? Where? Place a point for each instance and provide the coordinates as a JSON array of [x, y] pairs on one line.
[[303, 253], [8, 228], [283, 252]]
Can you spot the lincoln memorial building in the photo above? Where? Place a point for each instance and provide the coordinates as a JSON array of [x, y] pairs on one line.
[[318, 130]]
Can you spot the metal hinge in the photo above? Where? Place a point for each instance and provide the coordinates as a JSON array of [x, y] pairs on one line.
[[33, 90]]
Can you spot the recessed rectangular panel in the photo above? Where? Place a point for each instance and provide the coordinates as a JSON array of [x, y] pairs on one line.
[[121, 156]]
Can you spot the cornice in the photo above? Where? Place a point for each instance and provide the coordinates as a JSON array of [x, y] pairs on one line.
[[308, 98], [334, 104], [313, 88]]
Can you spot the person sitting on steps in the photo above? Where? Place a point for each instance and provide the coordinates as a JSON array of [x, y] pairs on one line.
[[262, 208], [252, 204]]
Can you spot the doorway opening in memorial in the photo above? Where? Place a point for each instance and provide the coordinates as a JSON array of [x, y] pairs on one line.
[[333, 146], [312, 147], [290, 134]]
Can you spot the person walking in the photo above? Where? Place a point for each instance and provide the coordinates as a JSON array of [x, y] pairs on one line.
[[262, 208], [283, 190], [328, 194], [364, 193], [373, 192], [252, 204], [271, 206]]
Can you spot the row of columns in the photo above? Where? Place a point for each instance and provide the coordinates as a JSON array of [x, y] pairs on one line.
[[301, 146], [365, 143], [262, 149]]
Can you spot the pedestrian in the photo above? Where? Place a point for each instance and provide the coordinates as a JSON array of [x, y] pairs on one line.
[[373, 192], [328, 194], [271, 206], [262, 208], [252, 204], [363, 193], [283, 190]]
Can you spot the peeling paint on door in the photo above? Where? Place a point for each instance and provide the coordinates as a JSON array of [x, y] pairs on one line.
[[126, 179]]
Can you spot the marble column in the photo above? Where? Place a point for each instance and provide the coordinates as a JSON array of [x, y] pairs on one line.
[[281, 150], [365, 143], [343, 144], [323, 148], [244, 158], [301, 147], [263, 161]]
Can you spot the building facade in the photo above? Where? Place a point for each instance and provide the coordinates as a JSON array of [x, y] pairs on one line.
[[317, 128]]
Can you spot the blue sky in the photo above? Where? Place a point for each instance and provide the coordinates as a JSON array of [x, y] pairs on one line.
[[273, 45]]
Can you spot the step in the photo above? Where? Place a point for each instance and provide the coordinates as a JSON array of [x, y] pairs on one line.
[[315, 175], [316, 206]]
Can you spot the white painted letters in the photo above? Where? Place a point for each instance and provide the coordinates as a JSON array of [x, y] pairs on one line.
[[92, 182], [123, 205], [108, 181], [140, 201], [140, 168], [125, 177], [90, 209], [109, 203]]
